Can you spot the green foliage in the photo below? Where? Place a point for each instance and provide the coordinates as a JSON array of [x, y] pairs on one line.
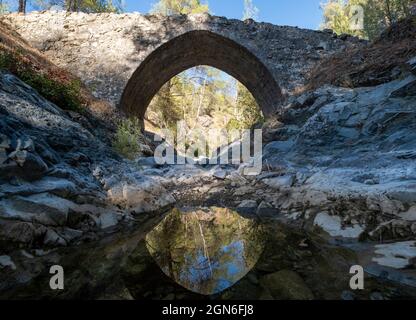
[[4, 8], [377, 15], [247, 112], [170, 7], [202, 91], [127, 138], [92, 6], [65, 95], [88, 6]]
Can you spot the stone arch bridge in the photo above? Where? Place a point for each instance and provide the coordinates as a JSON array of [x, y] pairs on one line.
[[126, 58]]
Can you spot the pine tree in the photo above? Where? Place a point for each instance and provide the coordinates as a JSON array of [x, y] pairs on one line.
[[170, 7], [22, 6], [377, 15]]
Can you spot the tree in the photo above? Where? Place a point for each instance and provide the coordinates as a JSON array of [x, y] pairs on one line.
[[340, 15], [170, 7], [250, 10], [22, 6], [247, 112], [89, 6], [174, 99], [4, 8]]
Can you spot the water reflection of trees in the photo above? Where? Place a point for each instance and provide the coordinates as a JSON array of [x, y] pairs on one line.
[[206, 250]]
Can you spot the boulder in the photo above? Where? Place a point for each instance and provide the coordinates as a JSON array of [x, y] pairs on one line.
[[220, 174], [53, 239], [41, 208], [285, 181], [408, 90], [30, 165], [412, 65], [108, 219], [248, 204], [16, 232], [145, 196], [333, 225], [7, 262], [265, 209], [286, 285]]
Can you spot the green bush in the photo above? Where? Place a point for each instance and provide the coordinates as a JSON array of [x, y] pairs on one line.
[[127, 138], [65, 95]]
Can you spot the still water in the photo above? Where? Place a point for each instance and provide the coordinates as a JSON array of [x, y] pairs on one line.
[[206, 250]]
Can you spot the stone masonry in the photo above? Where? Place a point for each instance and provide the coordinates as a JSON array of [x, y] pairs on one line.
[[105, 50]]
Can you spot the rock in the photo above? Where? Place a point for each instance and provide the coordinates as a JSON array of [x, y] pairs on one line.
[[53, 185], [348, 295], [47, 153], [108, 219], [145, 196], [32, 166], [408, 90], [395, 255], [16, 232], [220, 174], [285, 181], [377, 296], [53, 239], [235, 178], [248, 204], [70, 234], [3, 156], [286, 285], [333, 225], [42, 208], [5, 142], [265, 209], [348, 133], [243, 191], [25, 143], [409, 215], [146, 162], [278, 146], [412, 64], [6, 261]]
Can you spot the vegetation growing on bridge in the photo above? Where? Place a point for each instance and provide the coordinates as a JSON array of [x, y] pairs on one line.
[[58, 87]]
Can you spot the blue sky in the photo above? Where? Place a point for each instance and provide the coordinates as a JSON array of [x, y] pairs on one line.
[[301, 13]]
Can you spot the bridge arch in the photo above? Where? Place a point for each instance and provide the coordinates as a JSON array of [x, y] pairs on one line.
[[195, 48]]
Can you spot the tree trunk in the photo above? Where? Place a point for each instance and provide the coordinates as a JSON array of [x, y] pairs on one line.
[[72, 5], [22, 6], [389, 13]]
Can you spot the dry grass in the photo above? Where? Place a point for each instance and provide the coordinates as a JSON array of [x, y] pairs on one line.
[[19, 58], [375, 64]]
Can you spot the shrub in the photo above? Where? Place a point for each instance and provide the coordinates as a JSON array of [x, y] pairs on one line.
[[65, 94], [128, 137]]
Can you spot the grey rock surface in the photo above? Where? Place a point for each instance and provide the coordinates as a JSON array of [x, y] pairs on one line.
[[57, 177]]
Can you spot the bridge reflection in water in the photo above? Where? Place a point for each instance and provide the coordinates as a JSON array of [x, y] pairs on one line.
[[206, 250]]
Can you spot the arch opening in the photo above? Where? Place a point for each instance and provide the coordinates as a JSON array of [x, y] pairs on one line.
[[202, 98], [193, 49]]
